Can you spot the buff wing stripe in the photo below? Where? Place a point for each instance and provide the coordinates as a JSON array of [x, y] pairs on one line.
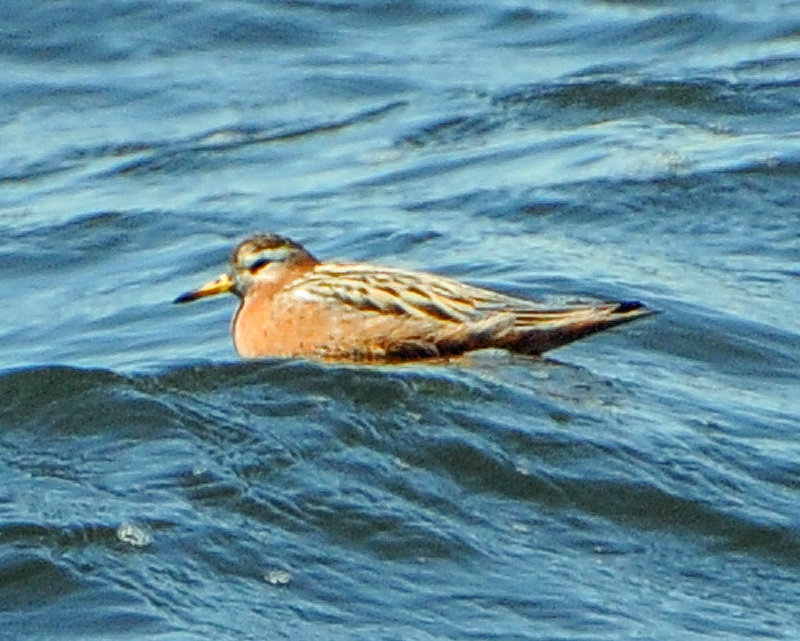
[[399, 292]]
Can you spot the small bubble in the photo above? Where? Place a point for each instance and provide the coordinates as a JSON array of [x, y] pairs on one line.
[[278, 577], [134, 535]]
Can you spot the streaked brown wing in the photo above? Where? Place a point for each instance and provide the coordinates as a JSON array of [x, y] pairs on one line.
[[400, 292]]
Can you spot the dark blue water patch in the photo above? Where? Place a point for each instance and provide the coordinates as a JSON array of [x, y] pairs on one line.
[[65, 161], [482, 459], [501, 203], [394, 13], [483, 468], [185, 155], [729, 345], [287, 391], [48, 574], [36, 33], [583, 101], [70, 96], [665, 31], [353, 86], [210, 150], [52, 247], [316, 377], [768, 64], [520, 18], [42, 386], [306, 459], [384, 465], [203, 150], [700, 100], [433, 166], [372, 244], [69, 159], [31, 581], [678, 30], [41, 593], [782, 30], [777, 169], [244, 25], [83, 229], [68, 401], [92, 252], [78, 537], [132, 29], [453, 131], [707, 208], [382, 526]]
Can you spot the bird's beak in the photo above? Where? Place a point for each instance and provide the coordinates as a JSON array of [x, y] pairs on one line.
[[219, 286]]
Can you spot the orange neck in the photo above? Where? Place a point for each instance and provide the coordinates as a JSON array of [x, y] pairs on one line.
[[252, 321]]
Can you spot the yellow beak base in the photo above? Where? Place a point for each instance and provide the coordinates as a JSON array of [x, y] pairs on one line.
[[219, 286]]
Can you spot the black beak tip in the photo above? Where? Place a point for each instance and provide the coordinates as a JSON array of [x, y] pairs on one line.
[[187, 297]]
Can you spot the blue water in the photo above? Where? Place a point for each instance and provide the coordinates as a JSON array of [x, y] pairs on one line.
[[641, 484]]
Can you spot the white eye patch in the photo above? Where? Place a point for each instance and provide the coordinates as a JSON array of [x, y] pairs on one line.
[[254, 262]]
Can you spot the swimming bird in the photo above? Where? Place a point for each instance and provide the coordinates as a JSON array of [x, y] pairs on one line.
[[292, 305]]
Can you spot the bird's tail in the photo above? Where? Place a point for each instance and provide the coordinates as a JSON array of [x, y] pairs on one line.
[[537, 331]]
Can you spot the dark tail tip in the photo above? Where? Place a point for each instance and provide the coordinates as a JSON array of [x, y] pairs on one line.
[[628, 306]]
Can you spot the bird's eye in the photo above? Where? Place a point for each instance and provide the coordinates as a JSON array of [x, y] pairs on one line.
[[258, 264]]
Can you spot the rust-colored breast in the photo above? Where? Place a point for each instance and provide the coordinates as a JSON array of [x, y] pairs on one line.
[[285, 325]]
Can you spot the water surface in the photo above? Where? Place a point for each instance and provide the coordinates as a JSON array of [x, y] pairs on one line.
[[640, 484]]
